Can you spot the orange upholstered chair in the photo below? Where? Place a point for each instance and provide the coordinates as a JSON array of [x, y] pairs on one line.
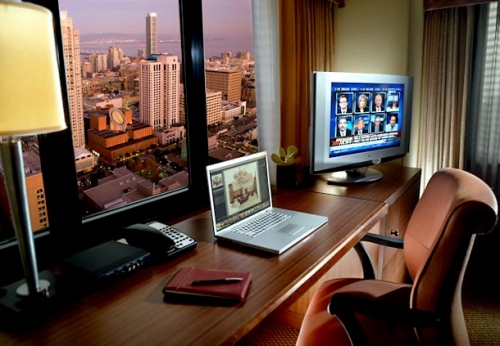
[[454, 207]]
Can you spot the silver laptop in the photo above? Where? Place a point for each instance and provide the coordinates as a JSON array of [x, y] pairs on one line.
[[242, 209]]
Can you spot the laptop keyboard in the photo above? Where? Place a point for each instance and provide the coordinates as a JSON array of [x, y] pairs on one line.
[[261, 224]]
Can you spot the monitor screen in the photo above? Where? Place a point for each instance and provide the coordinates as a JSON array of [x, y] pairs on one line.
[[358, 120]]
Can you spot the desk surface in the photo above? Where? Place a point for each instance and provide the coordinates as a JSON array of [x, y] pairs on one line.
[[132, 311], [395, 180]]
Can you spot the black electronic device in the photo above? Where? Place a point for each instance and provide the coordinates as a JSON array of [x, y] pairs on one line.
[[104, 263], [162, 241]]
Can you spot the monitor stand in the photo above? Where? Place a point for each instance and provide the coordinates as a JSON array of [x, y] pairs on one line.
[[355, 176]]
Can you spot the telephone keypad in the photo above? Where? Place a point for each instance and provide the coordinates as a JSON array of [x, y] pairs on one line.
[[180, 239]]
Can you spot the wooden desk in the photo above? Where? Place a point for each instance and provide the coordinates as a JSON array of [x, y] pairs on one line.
[[396, 180], [399, 191], [132, 311]]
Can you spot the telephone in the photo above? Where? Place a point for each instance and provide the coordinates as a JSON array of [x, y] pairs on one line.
[[160, 240]]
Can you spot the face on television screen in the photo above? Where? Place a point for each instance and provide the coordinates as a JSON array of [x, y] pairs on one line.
[[364, 116]]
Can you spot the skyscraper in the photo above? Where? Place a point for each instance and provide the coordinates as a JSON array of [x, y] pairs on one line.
[[159, 87], [227, 80], [151, 36], [71, 44], [100, 61], [214, 100], [115, 55]]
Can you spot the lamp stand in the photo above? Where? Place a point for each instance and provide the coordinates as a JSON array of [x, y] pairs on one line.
[[34, 289]]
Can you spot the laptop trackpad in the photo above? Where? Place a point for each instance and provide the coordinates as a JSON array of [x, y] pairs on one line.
[[291, 229]]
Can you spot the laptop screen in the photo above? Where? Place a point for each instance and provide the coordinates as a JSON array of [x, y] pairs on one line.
[[238, 188]]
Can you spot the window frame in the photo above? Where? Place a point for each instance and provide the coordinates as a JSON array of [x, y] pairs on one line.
[[68, 232]]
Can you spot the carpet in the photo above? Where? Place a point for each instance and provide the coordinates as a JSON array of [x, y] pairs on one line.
[[273, 333], [482, 317]]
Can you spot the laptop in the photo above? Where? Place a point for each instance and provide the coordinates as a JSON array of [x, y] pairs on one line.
[[241, 206]]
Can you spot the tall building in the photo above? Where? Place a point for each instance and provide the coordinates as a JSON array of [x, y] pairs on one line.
[[35, 191], [226, 57], [100, 61], [141, 53], [159, 90], [87, 69], [227, 80], [115, 55], [214, 109], [244, 55], [151, 36], [71, 44]]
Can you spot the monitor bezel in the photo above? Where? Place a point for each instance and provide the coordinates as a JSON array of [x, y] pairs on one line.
[[319, 159]]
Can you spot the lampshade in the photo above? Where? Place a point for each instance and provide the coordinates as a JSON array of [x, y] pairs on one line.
[[30, 89]]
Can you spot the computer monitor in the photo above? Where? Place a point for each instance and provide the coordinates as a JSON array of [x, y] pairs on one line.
[[358, 120]]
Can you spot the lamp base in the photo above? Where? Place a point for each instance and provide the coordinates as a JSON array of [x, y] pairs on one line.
[[14, 297], [23, 290]]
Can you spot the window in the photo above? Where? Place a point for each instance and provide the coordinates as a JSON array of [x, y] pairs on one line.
[[77, 165], [484, 122], [67, 230], [230, 79], [154, 189]]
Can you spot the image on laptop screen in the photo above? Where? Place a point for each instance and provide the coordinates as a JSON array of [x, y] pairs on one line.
[[239, 190]]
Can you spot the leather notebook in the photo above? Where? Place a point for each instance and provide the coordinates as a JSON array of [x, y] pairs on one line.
[[215, 283]]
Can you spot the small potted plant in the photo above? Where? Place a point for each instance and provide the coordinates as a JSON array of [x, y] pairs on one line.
[[286, 169]]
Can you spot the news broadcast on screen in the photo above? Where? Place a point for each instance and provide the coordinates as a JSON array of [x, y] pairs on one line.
[[364, 116]]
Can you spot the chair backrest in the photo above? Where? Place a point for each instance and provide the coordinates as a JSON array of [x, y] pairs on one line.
[[455, 206]]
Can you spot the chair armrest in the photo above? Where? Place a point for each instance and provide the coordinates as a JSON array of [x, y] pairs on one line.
[[345, 306], [383, 240], [366, 261]]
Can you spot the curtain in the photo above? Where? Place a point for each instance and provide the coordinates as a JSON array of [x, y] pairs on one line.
[[265, 32], [440, 4], [446, 74], [306, 45], [483, 155]]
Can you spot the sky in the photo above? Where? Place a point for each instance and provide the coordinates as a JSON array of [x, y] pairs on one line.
[[220, 17]]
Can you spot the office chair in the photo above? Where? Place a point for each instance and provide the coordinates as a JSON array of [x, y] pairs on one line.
[[454, 207]]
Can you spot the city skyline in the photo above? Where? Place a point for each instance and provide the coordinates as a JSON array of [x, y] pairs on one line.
[[96, 16], [110, 146]]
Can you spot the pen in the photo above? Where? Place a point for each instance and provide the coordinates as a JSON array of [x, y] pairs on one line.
[[222, 281]]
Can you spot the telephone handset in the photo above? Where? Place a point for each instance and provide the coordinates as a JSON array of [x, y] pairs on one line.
[[162, 241]]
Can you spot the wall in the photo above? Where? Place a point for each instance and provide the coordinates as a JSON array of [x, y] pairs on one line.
[[382, 36], [415, 50]]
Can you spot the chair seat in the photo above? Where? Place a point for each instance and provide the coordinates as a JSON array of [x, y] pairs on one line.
[[319, 326]]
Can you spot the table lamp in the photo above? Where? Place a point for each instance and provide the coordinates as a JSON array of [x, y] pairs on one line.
[[30, 104]]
